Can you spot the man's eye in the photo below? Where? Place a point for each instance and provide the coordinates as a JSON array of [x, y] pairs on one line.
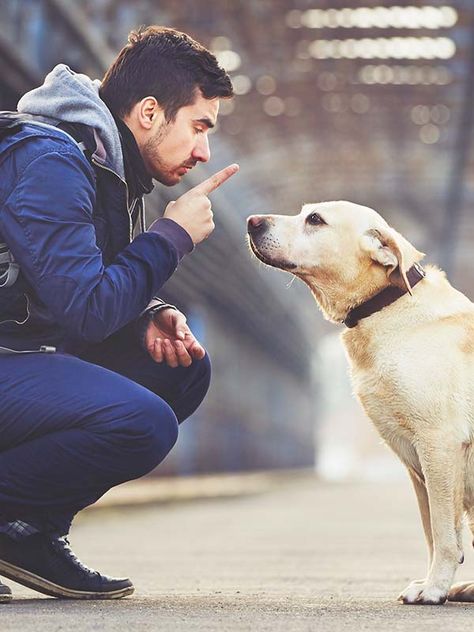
[[198, 130], [314, 219]]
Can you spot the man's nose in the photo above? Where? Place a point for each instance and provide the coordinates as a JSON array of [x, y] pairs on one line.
[[202, 151], [256, 224]]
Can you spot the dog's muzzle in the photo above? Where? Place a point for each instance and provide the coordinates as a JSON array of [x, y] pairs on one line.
[[257, 226]]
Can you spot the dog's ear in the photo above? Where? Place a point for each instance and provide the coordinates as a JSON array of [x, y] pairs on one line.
[[386, 247]]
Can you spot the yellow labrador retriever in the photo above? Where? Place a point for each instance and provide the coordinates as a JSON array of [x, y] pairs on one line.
[[409, 338]]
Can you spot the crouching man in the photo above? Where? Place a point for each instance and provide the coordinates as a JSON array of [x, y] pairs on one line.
[[97, 371]]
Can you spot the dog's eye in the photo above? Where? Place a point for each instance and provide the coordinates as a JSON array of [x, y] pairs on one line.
[[314, 219]]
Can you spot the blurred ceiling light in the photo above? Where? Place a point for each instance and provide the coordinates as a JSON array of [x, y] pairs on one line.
[[226, 106], [327, 81], [333, 103], [348, 49], [345, 18], [396, 17], [319, 49], [266, 84], [400, 75], [313, 18], [420, 114], [443, 76], [429, 134], [426, 75], [274, 106], [409, 17], [360, 103], [220, 43], [405, 75], [383, 74], [332, 18], [366, 74], [381, 17], [242, 84], [334, 49], [384, 48], [433, 18], [228, 59], [293, 19], [440, 114], [419, 75], [363, 17], [450, 16], [423, 114]]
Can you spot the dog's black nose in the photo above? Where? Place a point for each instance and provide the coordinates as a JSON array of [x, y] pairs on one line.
[[256, 224]]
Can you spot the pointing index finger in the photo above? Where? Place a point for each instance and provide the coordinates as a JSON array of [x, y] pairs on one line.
[[215, 181]]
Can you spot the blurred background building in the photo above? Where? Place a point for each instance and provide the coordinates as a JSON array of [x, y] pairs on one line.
[[358, 100]]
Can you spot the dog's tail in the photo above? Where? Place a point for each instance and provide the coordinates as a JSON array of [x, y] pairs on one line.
[[464, 591], [470, 521]]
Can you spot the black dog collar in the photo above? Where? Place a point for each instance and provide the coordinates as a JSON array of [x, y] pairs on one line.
[[383, 298]]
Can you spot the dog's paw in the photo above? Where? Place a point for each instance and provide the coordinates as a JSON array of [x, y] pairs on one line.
[[420, 592]]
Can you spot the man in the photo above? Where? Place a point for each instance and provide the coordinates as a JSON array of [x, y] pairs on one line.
[[96, 371]]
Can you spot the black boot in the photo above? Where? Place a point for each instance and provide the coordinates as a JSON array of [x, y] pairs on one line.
[[5, 593], [48, 565]]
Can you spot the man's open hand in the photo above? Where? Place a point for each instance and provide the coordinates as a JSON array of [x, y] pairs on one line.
[[193, 210], [169, 339]]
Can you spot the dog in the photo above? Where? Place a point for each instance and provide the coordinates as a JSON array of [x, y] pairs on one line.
[[409, 339]]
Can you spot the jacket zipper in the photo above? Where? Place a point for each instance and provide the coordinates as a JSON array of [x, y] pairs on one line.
[[129, 211], [42, 349]]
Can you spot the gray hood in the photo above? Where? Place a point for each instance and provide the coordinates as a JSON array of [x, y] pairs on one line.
[[74, 98]]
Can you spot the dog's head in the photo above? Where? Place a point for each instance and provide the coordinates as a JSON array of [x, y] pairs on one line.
[[346, 253]]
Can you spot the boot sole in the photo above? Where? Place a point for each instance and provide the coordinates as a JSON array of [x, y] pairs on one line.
[[30, 580]]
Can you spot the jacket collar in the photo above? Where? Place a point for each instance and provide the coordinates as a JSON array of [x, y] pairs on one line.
[[138, 179]]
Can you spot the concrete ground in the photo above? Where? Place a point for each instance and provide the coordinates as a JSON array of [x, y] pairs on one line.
[[302, 555]]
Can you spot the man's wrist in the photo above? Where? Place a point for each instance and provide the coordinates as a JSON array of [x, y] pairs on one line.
[[157, 303], [151, 313], [148, 314]]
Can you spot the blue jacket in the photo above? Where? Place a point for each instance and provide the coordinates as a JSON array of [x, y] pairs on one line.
[[66, 221]]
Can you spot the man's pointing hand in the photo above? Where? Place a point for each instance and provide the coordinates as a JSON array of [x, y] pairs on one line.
[[193, 210], [215, 181]]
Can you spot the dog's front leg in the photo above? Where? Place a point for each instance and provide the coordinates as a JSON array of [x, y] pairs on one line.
[[442, 464], [424, 507]]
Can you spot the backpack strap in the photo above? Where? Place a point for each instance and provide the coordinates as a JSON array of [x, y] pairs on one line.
[[9, 269]]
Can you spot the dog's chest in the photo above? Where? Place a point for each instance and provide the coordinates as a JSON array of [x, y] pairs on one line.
[[388, 412]]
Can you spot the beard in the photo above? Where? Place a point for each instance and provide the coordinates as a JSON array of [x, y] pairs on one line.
[[158, 167]]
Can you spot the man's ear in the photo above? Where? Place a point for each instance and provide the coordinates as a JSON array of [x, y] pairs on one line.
[[144, 114], [385, 247]]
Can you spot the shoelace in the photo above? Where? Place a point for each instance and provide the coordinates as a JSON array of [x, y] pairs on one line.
[[63, 546]]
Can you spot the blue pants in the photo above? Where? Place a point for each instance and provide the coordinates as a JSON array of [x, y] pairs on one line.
[[73, 427]]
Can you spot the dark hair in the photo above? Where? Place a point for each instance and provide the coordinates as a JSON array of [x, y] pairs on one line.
[[166, 64]]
